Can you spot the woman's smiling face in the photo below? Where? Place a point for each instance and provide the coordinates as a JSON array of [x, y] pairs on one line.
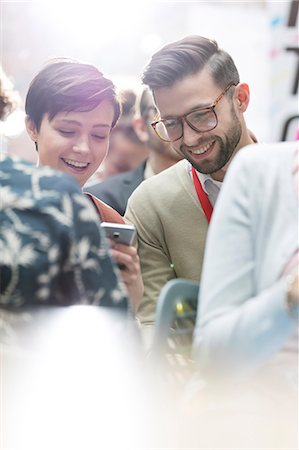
[[74, 142]]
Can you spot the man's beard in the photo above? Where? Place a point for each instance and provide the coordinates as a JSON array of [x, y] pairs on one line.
[[227, 146]]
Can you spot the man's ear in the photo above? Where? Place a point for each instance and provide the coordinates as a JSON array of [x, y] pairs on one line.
[[140, 129], [31, 128], [242, 96]]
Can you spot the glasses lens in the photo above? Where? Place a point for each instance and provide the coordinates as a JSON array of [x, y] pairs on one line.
[[203, 120], [169, 130]]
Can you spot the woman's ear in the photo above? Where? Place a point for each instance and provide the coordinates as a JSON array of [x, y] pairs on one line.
[[31, 128], [140, 129], [242, 96]]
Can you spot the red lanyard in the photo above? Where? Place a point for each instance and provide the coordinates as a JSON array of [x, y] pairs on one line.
[[202, 196]]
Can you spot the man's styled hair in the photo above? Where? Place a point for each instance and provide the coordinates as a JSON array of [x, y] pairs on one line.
[[186, 57], [68, 85]]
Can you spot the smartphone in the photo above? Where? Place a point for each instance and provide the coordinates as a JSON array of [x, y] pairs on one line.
[[121, 233]]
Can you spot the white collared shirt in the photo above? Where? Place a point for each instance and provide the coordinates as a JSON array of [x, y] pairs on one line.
[[210, 186]]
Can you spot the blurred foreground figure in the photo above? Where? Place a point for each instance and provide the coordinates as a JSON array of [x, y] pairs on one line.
[[246, 337], [248, 309], [52, 251]]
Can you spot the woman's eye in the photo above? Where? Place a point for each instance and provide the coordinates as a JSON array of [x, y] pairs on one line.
[[98, 137], [67, 132]]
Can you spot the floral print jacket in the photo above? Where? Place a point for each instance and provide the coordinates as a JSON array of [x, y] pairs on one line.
[[52, 251]]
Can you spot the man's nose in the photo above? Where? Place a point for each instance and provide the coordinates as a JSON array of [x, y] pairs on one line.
[[190, 136]]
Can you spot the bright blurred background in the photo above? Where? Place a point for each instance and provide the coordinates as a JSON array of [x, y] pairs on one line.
[[120, 37]]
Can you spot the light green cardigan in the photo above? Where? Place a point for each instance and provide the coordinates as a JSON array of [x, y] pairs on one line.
[[171, 229]]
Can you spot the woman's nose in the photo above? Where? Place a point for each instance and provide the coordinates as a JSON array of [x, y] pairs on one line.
[[81, 145]]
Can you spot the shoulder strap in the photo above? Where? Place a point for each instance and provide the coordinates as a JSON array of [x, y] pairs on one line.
[[202, 196], [106, 213]]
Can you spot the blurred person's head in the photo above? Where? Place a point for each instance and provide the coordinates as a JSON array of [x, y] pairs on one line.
[[146, 113], [71, 109], [201, 102], [126, 149]]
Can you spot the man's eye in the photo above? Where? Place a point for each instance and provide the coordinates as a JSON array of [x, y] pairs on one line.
[[170, 124], [199, 115]]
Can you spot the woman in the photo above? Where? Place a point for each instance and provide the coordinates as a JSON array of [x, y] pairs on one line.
[[71, 109]]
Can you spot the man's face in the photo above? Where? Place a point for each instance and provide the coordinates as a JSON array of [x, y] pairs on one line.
[[74, 142], [208, 151]]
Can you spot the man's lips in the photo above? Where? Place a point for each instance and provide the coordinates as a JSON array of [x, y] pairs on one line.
[[201, 151]]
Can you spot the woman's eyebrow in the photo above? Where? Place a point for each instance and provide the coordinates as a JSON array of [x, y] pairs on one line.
[[102, 125], [75, 122]]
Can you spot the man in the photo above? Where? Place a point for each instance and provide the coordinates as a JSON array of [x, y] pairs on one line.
[[201, 102], [116, 190]]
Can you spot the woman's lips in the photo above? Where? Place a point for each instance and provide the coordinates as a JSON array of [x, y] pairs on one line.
[[76, 165]]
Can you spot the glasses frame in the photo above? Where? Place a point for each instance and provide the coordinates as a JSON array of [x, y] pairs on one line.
[[185, 118]]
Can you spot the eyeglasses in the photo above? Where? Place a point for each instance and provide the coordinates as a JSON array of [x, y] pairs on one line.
[[200, 119]]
